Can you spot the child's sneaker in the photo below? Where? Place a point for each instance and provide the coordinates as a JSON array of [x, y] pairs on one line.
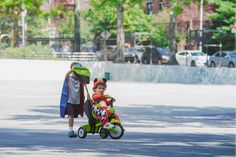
[[72, 134], [108, 126]]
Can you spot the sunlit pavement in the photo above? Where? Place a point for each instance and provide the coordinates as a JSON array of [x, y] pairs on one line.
[[170, 120]]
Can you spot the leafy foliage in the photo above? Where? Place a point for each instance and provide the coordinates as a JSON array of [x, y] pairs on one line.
[[30, 52], [10, 13], [100, 16], [159, 36], [36, 26], [66, 28], [104, 16], [86, 35], [177, 5], [223, 19]]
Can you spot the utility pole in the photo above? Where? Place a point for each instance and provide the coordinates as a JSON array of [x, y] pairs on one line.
[[0, 37], [77, 27], [201, 25], [120, 32], [23, 15]]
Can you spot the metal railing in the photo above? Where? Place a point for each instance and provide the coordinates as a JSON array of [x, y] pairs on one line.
[[78, 56]]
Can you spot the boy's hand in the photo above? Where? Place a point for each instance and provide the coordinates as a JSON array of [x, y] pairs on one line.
[[68, 73]]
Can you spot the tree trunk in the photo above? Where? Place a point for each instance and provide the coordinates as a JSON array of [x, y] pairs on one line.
[[120, 32], [77, 26], [15, 34], [172, 34]]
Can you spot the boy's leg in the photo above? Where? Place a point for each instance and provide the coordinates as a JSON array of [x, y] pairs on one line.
[[71, 112], [71, 122]]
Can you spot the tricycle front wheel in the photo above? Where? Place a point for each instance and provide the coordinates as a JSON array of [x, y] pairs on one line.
[[116, 132]]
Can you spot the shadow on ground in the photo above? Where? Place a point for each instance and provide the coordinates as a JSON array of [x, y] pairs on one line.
[[151, 144], [150, 115], [132, 143]]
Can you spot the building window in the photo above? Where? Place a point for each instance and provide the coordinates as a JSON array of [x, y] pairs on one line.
[[149, 8], [161, 5]]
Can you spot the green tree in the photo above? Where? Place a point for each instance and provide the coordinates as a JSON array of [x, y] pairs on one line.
[[159, 35], [135, 19], [118, 7], [35, 26], [223, 19], [62, 16], [66, 28], [176, 8], [10, 11], [100, 17], [87, 35], [159, 29]]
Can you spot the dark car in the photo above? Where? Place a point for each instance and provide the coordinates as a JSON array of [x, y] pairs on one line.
[[157, 55], [88, 48], [105, 55], [131, 55]]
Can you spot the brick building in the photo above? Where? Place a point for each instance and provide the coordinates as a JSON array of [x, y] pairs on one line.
[[53, 24], [154, 6], [70, 4], [188, 20]]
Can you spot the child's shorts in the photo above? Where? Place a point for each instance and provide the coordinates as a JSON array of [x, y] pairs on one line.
[[74, 110]]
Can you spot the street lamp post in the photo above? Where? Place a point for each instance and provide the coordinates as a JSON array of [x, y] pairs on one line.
[[23, 15], [220, 45], [201, 25], [0, 37]]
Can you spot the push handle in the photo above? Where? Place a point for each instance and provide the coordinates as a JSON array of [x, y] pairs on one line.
[[88, 95]]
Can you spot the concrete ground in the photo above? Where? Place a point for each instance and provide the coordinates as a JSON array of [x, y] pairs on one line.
[[163, 120]]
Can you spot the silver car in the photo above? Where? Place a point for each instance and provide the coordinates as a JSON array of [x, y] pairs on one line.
[[223, 59], [191, 58]]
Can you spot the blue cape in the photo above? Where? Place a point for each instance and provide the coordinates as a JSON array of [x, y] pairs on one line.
[[65, 97]]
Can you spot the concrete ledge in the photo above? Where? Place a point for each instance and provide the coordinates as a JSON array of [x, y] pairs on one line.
[[172, 74], [55, 70]]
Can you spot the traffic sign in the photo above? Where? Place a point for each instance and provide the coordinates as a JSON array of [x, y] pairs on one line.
[[106, 34]]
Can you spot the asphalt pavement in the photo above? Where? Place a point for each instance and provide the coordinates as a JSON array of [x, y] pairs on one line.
[[161, 120]]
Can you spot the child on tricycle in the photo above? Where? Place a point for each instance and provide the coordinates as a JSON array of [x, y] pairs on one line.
[[101, 114]]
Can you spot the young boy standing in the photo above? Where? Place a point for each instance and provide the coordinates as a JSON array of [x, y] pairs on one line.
[[72, 98]]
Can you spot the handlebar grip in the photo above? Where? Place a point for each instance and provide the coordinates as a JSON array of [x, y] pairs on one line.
[[111, 103]]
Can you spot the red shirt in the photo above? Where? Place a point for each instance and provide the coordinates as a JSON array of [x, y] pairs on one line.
[[101, 97]]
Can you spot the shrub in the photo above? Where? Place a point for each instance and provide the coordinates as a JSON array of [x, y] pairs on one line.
[[28, 52]]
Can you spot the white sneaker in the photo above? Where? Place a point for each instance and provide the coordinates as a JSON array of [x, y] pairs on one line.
[[108, 126]]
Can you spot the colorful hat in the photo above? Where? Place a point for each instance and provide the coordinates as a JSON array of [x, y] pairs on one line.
[[99, 81]]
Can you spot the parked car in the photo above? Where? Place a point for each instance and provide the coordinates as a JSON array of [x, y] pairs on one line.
[[105, 54], [88, 48], [139, 53], [132, 55], [157, 55], [191, 58], [224, 58], [108, 54]]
